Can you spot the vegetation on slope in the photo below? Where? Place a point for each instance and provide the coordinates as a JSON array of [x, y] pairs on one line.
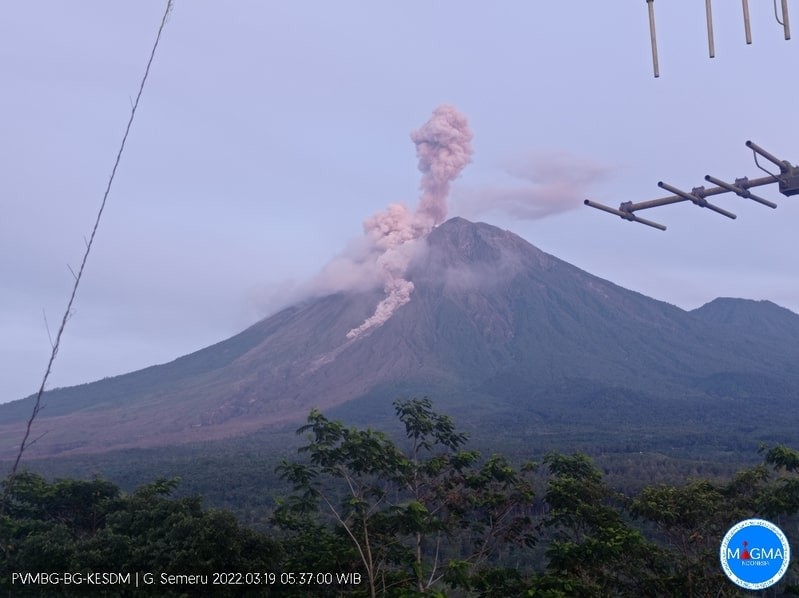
[[420, 515]]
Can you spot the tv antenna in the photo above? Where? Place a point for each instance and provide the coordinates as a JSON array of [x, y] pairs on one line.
[[711, 45], [787, 179]]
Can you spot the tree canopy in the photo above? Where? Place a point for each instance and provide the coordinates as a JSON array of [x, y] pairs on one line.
[[412, 514]]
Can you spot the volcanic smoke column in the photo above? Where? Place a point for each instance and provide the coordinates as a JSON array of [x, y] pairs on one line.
[[444, 148]]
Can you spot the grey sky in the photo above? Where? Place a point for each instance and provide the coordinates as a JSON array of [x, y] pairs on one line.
[[269, 131]]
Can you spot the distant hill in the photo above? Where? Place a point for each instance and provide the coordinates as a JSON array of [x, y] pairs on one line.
[[758, 318], [502, 335]]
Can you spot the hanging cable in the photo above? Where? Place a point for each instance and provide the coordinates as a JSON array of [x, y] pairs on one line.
[[776, 177], [37, 405], [777, 15]]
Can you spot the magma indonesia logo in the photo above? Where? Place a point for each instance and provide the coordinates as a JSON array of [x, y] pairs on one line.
[[755, 554]]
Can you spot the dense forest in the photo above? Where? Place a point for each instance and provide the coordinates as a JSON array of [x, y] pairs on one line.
[[361, 512]]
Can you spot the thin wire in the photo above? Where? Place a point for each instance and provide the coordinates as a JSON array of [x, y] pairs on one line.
[[37, 406], [771, 174], [776, 15]]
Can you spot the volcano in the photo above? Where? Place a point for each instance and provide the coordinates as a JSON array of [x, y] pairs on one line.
[[496, 330]]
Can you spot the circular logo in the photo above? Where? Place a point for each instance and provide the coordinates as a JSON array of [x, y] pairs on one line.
[[755, 554]]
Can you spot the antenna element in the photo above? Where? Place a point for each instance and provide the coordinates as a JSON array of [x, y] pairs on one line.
[[787, 179]]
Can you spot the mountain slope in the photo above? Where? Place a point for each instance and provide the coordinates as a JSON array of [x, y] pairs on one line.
[[755, 318], [495, 327]]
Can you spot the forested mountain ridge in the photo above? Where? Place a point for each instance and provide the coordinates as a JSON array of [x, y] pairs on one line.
[[368, 515], [506, 334]]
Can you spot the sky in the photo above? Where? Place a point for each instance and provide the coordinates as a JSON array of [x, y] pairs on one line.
[[270, 131]]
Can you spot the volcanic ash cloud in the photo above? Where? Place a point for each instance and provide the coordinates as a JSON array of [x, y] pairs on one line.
[[549, 183], [444, 148]]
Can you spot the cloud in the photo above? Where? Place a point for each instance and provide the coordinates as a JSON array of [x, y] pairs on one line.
[[546, 184]]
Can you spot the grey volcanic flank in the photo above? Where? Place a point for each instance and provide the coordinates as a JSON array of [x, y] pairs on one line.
[[495, 328]]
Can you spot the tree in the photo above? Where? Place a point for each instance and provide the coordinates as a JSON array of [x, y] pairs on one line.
[[403, 511], [693, 518], [593, 550], [90, 526]]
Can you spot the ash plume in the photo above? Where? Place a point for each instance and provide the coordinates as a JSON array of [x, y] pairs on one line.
[[443, 146], [548, 184]]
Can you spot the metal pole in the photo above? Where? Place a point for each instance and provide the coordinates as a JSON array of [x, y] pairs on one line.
[[710, 44], [626, 209], [650, 4], [654, 203], [624, 215], [785, 23], [747, 26], [770, 157], [740, 190], [697, 197]]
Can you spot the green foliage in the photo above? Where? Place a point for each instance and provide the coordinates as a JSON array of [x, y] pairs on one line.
[[593, 551], [433, 518], [401, 510], [75, 526], [693, 518], [416, 514]]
